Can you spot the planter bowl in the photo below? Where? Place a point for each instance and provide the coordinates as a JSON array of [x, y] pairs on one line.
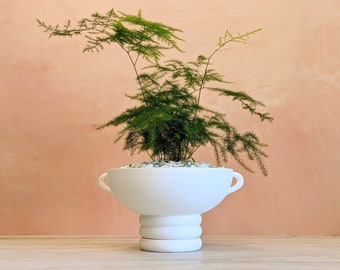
[[170, 201]]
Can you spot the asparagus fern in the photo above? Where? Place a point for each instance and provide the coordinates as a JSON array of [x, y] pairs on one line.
[[170, 123]]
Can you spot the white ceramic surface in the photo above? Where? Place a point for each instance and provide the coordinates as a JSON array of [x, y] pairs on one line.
[[170, 233], [170, 201]]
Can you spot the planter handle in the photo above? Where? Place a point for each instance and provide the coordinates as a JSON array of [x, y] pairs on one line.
[[102, 183], [239, 182]]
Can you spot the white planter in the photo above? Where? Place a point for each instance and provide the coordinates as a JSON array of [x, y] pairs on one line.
[[170, 201]]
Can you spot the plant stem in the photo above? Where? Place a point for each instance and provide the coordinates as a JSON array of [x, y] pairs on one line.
[[134, 64]]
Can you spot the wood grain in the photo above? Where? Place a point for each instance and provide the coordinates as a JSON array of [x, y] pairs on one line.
[[103, 252]]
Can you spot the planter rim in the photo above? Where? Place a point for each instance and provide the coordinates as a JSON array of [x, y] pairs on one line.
[[172, 168]]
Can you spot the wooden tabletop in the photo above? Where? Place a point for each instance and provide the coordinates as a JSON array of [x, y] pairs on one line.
[[103, 252]]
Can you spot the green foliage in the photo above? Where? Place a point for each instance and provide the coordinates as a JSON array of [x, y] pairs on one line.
[[170, 123], [132, 33]]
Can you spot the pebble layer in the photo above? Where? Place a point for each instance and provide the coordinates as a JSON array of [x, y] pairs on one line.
[[170, 164]]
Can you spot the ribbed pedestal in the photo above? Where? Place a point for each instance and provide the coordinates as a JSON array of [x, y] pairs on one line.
[[170, 233]]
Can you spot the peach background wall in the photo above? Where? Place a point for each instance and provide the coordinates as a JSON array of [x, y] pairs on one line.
[[52, 96]]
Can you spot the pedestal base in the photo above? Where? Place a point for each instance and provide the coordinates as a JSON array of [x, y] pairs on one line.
[[170, 233]]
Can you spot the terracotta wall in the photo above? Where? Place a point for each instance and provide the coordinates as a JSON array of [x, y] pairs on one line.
[[52, 96]]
